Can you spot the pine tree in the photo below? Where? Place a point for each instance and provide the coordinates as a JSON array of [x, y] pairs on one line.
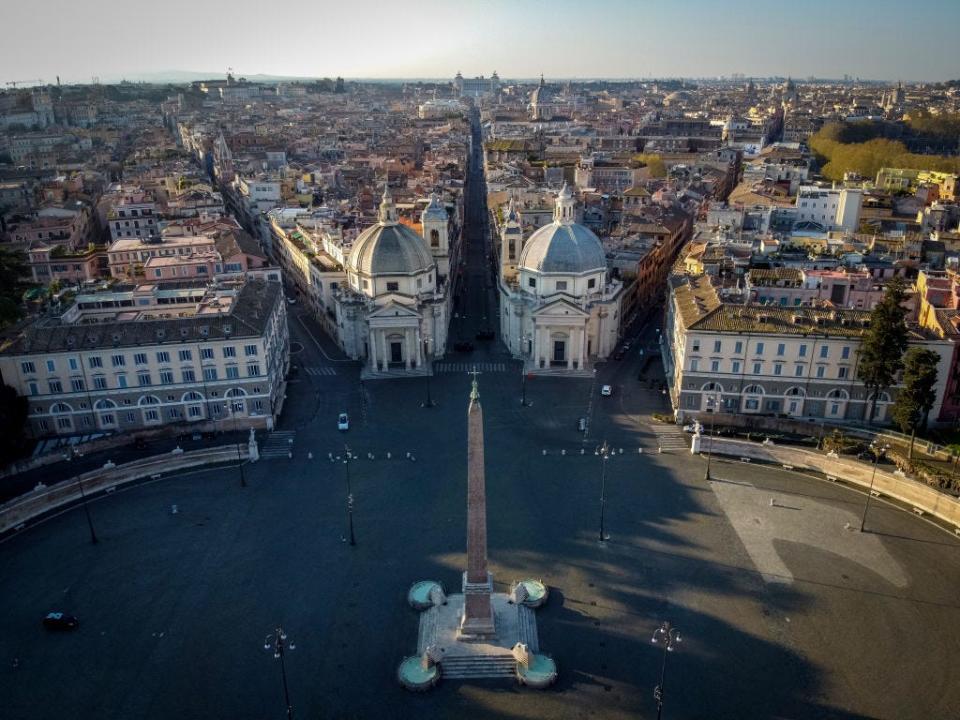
[[912, 406], [881, 352]]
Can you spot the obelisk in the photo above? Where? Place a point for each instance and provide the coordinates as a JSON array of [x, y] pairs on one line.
[[477, 621]]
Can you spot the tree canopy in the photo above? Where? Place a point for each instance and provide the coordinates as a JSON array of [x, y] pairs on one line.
[[13, 418], [881, 353], [860, 148], [917, 397], [14, 282]]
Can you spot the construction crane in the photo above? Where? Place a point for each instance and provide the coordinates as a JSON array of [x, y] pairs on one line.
[[14, 83]]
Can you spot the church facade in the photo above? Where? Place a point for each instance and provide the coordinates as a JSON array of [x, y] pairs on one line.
[[393, 311], [559, 308]]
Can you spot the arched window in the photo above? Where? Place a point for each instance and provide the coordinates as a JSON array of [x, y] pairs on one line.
[[191, 396], [434, 238], [753, 390], [795, 392], [838, 394], [149, 400], [712, 387], [104, 404]]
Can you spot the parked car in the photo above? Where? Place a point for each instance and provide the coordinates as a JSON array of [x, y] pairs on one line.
[[463, 346], [60, 621], [486, 335], [343, 422], [606, 391]]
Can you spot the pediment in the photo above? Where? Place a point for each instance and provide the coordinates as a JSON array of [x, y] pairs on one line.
[[394, 310], [559, 308]]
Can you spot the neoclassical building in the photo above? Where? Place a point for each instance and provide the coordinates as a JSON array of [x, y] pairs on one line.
[[393, 312], [559, 309]]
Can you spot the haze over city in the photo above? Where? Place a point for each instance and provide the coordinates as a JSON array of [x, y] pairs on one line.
[[479, 360], [871, 39]]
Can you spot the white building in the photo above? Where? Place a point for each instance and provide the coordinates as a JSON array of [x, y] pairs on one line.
[[154, 354], [832, 209], [799, 362], [559, 309], [393, 312]]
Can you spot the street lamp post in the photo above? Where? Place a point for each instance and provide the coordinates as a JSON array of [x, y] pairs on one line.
[[233, 416], [877, 453], [524, 340], [669, 637], [604, 453], [346, 464], [429, 403], [711, 408], [86, 510], [276, 641]]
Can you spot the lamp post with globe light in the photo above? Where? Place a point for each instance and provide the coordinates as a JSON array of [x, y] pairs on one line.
[[668, 637], [276, 642]]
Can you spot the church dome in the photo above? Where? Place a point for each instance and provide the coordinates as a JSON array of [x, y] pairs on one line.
[[563, 246], [389, 248], [542, 94]]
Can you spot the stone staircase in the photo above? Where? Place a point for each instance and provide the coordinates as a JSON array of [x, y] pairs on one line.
[[479, 666], [561, 372], [527, 629], [367, 374], [427, 635]]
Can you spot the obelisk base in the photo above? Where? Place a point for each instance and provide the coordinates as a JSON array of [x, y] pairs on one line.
[[477, 622]]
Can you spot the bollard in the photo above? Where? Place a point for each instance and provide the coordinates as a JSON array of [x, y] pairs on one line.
[[290, 454], [582, 451], [408, 456], [388, 456], [173, 509], [544, 452], [563, 452], [290, 441], [309, 456], [621, 451], [412, 459]]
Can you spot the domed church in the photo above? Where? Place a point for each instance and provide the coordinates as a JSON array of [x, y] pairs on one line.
[[393, 312], [559, 308]]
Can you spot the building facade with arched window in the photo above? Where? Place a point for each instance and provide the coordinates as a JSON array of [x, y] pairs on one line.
[[560, 310], [200, 355], [798, 362], [393, 311]]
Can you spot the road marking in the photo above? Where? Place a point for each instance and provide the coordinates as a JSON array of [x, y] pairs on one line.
[[468, 367], [320, 371], [278, 444]]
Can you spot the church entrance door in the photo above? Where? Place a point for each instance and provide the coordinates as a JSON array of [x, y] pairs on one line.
[[396, 352], [560, 351]]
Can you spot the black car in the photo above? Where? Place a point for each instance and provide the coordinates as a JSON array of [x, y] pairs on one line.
[[463, 346], [60, 621]]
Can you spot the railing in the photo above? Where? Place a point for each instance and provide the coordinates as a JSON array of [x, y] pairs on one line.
[[17, 512]]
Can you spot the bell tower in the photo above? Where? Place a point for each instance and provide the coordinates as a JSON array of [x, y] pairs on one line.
[[436, 233], [511, 243]]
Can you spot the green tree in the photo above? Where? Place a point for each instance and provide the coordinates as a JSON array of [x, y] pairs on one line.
[[14, 282], [13, 419], [911, 409], [881, 352]]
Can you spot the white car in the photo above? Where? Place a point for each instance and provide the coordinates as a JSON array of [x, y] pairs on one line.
[[606, 391], [343, 422]]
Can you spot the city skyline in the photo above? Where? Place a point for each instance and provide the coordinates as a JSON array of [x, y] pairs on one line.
[[561, 39]]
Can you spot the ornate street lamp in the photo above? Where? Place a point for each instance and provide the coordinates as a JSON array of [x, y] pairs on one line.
[[276, 642], [668, 637]]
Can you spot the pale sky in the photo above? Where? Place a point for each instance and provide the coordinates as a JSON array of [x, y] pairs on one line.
[[875, 39]]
